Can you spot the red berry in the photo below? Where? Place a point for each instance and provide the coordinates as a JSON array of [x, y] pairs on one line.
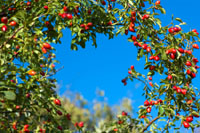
[[184, 91], [195, 46], [156, 58], [4, 20], [57, 102], [148, 49], [172, 56], [46, 7], [46, 45], [69, 16], [144, 46], [169, 77], [171, 30], [189, 119], [178, 90], [134, 38], [186, 124], [148, 109], [181, 50], [4, 28], [157, 2], [103, 2], [130, 72], [81, 124], [188, 63], [146, 16], [150, 78], [146, 103], [124, 113], [189, 72], [132, 67], [65, 9]]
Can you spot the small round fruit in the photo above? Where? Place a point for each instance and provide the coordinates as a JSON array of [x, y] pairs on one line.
[[13, 23], [186, 124], [46, 45], [31, 72]]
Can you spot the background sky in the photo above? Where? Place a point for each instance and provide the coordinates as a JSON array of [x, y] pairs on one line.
[[89, 69]]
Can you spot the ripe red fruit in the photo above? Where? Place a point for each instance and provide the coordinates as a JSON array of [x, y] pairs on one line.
[[186, 124], [168, 51], [173, 51], [109, 23], [197, 116], [65, 9], [160, 101], [146, 103], [194, 30], [151, 102], [14, 125], [4, 20], [4, 28], [134, 38], [184, 91], [131, 28], [195, 46], [132, 67], [195, 60], [46, 45], [188, 63], [169, 77], [171, 30], [172, 56], [81, 124], [90, 24], [124, 113], [126, 32], [31, 72], [174, 87], [129, 72], [146, 16], [151, 84], [59, 112], [177, 114], [193, 75], [133, 13], [178, 90], [189, 52], [143, 116], [151, 67], [69, 16], [46, 7], [144, 46], [60, 127], [189, 119], [157, 2], [148, 49], [103, 2], [181, 50], [26, 126], [148, 109], [189, 72], [57, 102], [156, 58], [150, 78], [44, 50], [115, 129], [176, 29]]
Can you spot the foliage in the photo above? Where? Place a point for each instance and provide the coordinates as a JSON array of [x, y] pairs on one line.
[[27, 61]]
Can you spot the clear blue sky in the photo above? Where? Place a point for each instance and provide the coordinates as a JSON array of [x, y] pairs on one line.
[[103, 67]]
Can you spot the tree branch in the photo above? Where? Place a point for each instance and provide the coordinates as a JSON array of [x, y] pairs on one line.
[[150, 123]]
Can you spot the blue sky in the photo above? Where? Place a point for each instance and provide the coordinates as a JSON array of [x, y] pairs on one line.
[[104, 67]]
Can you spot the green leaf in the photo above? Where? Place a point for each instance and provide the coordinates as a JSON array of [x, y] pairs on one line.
[[178, 19], [10, 95], [161, 110]]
